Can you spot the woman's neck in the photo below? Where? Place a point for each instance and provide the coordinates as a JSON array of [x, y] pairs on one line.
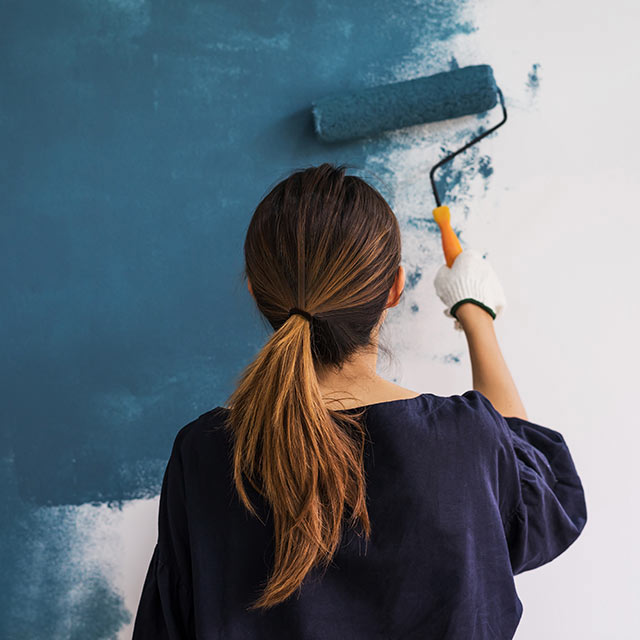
[[356, 383]]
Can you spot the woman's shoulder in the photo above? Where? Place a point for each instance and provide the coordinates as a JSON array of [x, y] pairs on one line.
[[204, 432], [435, 405]]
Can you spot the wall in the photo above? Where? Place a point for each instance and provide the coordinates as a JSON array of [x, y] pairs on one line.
[[138, 136]]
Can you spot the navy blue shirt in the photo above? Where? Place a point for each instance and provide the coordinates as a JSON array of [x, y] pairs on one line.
[[460, 500]]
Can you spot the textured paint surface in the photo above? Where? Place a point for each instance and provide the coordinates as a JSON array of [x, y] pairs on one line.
[[138, 136], [440, 96]]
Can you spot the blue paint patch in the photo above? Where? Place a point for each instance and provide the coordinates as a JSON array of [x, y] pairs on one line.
[[484, 168], [413, 278], [448, 177], [451, 357], [415, 308], [145, 134], [454, 177], [533, 78]]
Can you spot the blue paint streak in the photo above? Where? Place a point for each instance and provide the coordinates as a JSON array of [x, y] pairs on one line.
[[423, 223], [429, 225]]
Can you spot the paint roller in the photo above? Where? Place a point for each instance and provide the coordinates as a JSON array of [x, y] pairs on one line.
[[441, 96]]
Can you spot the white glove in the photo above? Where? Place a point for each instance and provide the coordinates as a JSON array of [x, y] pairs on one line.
[[471, 278]]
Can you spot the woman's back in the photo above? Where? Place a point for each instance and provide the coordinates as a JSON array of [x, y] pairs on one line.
[[287, 515], [460, 499]]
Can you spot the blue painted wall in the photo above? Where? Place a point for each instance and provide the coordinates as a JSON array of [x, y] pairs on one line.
[[137, 138]]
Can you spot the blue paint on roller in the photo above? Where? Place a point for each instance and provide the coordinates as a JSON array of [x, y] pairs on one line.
[[441, 96]]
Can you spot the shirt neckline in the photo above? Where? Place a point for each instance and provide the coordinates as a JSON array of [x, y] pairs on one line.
[[368, 406], [385, 402]]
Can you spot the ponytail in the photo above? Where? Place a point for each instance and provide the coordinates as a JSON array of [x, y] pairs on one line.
[[299, 455], [331, 244]]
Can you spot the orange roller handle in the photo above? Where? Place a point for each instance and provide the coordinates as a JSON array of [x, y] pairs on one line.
[[450, 243]]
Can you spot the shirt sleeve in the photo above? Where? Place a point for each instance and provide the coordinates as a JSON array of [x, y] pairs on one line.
[[540, 493], [165, 610]]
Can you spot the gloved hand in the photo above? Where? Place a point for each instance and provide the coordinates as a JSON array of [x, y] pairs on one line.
[[472, 279]]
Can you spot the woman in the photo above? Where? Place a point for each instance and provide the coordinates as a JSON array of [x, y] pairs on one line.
[[327, 502]]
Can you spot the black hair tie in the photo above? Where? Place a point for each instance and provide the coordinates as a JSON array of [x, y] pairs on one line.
[[302, 312]]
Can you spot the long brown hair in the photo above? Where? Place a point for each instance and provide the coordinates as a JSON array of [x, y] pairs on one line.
[[327, 243]]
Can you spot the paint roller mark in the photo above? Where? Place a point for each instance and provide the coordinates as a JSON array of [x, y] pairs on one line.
[[533, 79], [414, 277], [428, 224]]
